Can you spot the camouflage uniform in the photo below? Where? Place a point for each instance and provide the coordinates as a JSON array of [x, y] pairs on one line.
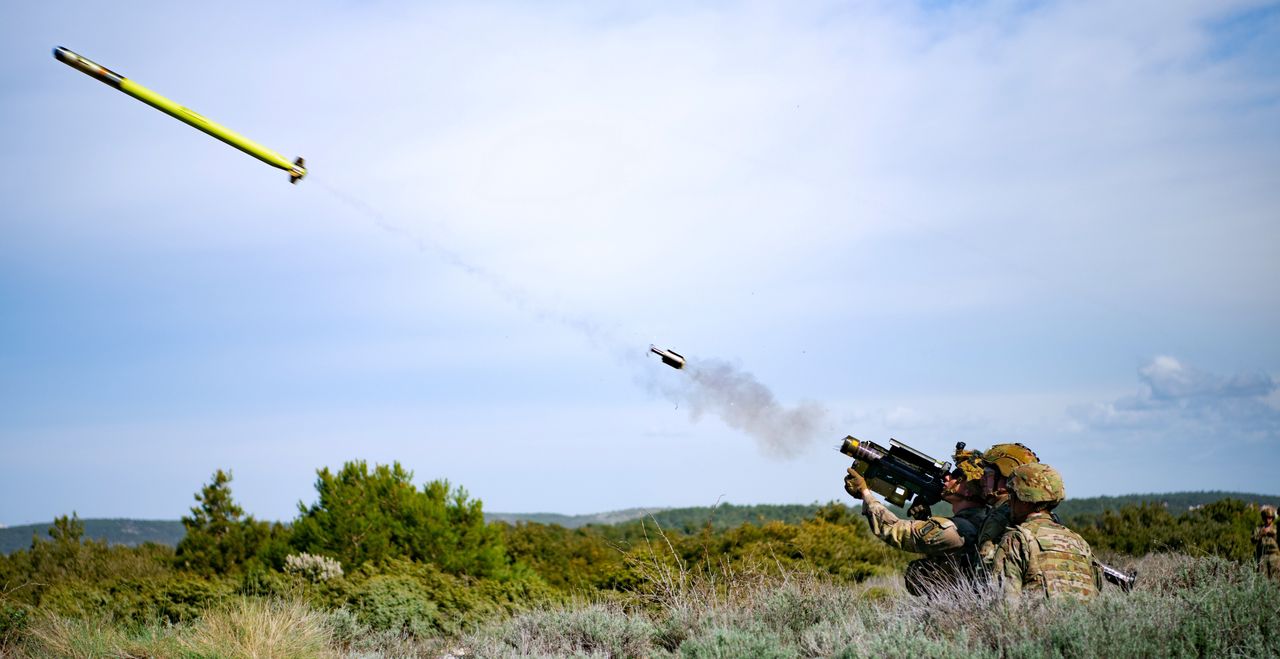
[[1039, 555], [998, 522], [1266, 550], [1003, 458], [947, 543], [1042, 556]]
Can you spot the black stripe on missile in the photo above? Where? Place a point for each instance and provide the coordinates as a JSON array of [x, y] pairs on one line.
[[88, 67]]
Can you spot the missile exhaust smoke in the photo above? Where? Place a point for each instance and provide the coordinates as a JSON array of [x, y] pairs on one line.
[[717, 387], [711, 387]]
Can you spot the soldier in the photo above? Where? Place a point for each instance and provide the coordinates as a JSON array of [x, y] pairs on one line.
[[1266, 550], [998, 463], [946, 542], [1040, 555]]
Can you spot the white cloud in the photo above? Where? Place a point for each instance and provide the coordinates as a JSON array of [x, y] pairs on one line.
[[1178, 399]]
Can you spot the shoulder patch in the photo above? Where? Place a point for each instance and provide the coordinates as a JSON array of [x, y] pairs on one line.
[[932, 530], [942, 522]]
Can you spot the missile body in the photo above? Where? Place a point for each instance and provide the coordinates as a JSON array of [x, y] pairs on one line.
[[109, 77], [669, 357]]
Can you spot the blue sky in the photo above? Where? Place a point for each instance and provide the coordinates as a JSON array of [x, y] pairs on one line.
[[1047, 222]]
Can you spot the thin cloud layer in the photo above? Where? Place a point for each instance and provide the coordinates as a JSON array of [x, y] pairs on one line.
[[1179, 398]]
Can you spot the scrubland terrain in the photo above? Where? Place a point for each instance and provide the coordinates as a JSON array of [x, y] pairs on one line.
[[380, 568]]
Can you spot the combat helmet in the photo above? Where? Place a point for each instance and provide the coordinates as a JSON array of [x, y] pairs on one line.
[[1037, 483], [1004, 458], [1268, 511], [968, 463]]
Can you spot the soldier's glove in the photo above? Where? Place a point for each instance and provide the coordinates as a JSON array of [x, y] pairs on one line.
[[854, 483], [920, 510]]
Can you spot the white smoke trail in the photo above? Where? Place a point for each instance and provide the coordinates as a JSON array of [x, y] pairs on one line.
[[509, 292], [708, 386]]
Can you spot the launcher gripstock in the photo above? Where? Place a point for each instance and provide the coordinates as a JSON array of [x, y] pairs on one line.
[[899, 472]]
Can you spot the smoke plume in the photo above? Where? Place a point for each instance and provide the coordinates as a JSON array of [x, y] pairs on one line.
[[712, 386], [705, 386]]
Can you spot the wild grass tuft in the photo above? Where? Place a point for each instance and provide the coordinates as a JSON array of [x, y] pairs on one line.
[[253, 627]]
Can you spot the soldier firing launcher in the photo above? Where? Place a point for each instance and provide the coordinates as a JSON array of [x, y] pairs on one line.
[[899, 472]]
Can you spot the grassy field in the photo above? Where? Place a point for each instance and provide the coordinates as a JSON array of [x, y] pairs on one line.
[[1182, 607]]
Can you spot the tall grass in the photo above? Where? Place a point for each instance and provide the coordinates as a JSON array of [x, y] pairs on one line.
[[240, 627], [1181, 607], [252, 627]]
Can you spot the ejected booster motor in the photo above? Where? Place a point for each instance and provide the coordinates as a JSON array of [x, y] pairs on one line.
[[111, 78], [669, 357]]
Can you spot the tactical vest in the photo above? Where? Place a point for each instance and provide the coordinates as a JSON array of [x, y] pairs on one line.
[[1266, 539], [993, 527], [1059, 562]]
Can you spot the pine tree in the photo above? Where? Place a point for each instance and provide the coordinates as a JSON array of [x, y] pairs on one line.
[[219, 537], [362, 516]]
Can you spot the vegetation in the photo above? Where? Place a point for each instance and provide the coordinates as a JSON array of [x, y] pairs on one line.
[[128, 532], [377, 566]]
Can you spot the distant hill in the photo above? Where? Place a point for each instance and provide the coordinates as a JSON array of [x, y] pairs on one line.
[[135, 532], [574, 521], [1176, 502], [131, 532]]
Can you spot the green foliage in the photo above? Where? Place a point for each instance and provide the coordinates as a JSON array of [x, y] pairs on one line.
[[1188, 607], [137, 601], [129, 532], [1176, 503], [375, 517], [589, 630], [731, 643], [1222, 528], [574, 560], [835, 542], [219, 538], [725, 516]]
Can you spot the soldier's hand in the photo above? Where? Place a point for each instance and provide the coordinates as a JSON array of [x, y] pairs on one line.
[[920, 510], [854, 483]]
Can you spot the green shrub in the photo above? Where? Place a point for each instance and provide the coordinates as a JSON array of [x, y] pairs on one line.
[[593, 629], [734, 643], [374, 517]]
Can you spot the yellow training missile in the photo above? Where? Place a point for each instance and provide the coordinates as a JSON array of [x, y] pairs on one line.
[[102, 73]]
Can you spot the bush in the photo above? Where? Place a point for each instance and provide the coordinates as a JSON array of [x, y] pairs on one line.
[[593, 629], [253, 627], [374, 517], [313, 568]]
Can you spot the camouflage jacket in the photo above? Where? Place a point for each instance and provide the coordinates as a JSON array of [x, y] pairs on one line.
[[1265, 539], [996, 524], [932, 537], [1042, 556]]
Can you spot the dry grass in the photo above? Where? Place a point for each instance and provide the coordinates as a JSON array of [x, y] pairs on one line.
[[257, 628], [1182, 607], [243, 627]]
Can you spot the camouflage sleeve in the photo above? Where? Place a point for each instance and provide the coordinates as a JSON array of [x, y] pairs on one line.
[[1010, 565], [936, 535], [993, 529]]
